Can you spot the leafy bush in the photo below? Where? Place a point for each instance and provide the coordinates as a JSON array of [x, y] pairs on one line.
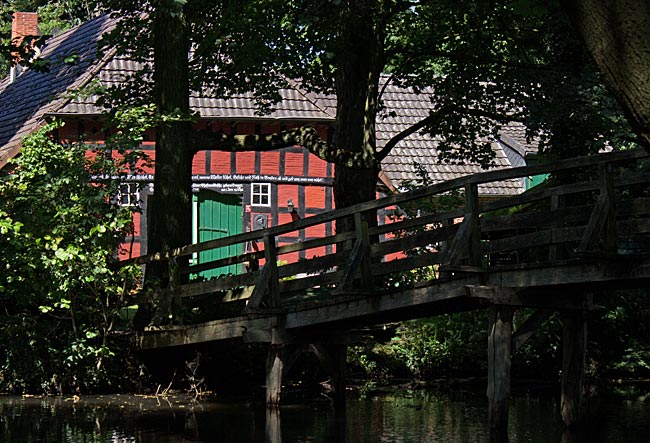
[[59, 291], [619, 336], [452, 344]]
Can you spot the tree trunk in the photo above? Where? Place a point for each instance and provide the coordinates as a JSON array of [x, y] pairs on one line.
[[171, 211], [616, 34], [170, 207], [356, 93]]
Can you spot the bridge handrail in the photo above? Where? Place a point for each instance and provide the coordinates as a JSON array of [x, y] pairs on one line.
[[397, 199]]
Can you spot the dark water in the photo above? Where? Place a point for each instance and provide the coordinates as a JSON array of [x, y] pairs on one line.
[[399, 416]]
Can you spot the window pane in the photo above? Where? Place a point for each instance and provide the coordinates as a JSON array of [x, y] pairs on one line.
[[261, 194]]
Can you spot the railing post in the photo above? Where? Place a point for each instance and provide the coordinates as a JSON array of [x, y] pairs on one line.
[[174, 287], [467, 241], [361, 231], [603, 218], [267, 283], [472, 217], [169, 298], [271, 260], [358, 258], [555, 205], [607, 189]]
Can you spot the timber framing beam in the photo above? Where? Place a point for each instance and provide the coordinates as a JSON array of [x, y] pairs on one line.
[[162, 337]]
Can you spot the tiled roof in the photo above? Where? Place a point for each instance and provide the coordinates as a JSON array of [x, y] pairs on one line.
[[419, 149], [514, 135], [73, 62], [32, 95], [295, 104]]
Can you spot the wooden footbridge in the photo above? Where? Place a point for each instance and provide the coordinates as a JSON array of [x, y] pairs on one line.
[[418, 254]]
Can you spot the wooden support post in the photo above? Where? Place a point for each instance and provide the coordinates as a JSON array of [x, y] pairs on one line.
[[553, 249], [169, 299], [603, 218], [261, 284], [267, 285], [498, 390], [275, 360], [607, 188], [361, 228], [174, 287], [279, 360], [357, 263], [467, 241], [574, 348]]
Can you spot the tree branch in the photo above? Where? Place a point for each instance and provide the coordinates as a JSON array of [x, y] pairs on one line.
[[305, 136], [436, 117], [381, 155]]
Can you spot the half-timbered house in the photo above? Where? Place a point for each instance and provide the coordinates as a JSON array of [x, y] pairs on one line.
[[233, 191]]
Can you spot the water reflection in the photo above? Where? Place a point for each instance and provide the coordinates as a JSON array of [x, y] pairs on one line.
[[273, 430], [400, 417]]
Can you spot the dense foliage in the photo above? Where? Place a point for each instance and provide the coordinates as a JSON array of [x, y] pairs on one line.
[[454, 345], [484, 64], [63, 303]]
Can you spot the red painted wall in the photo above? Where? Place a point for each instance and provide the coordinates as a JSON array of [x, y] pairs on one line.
[[276, 167]]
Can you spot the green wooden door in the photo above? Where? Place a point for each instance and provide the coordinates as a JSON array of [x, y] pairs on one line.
[[219, 215]]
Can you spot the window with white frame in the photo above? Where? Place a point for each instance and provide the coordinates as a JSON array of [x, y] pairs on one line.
[[261, 194], [128, 194]]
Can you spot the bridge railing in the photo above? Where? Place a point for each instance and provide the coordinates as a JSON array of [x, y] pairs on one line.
[[597, 203]]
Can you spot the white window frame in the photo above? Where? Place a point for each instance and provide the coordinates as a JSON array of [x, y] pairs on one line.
[[132, 195], [260, 191]]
